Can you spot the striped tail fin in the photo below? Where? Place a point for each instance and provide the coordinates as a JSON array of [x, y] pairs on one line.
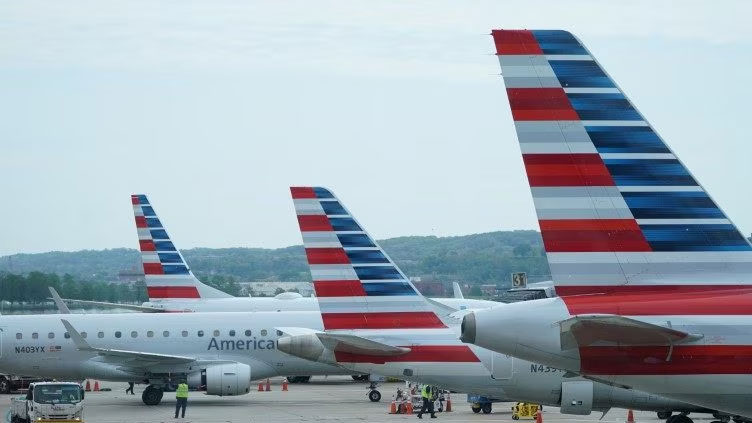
[[615, 205], [357, 285], [166, 272]]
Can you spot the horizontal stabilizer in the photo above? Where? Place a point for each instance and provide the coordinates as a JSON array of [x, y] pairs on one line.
[[587, 330], [141, 308], [358, 345]]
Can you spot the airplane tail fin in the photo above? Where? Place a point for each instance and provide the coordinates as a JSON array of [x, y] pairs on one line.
[[356, 283], [457, 291], [166, 272], [616, 207]]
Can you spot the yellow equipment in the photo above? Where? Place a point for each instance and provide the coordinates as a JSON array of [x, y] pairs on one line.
[[525, 411]]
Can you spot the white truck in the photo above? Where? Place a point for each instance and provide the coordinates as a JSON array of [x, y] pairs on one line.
[[50, 402]]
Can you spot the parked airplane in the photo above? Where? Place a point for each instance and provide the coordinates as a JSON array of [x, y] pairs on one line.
[[375, 321], [653, 278], [171, 285]]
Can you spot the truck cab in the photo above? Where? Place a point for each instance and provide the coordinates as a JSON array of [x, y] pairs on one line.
[[49, 402]]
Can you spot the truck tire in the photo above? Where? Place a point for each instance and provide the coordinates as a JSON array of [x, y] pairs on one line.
[[4, 386]]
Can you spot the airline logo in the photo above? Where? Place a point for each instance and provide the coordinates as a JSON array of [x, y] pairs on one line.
[[167, 274], [356, 283], [615, 205]]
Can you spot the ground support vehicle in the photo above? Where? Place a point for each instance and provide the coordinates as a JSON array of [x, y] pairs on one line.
[[49, 402]]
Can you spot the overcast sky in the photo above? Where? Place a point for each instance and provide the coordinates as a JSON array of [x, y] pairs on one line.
[[214, 108]]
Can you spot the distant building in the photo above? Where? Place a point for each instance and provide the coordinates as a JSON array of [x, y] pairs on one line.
[[430, 288], [269, 289], [130, 276], [488, 289]]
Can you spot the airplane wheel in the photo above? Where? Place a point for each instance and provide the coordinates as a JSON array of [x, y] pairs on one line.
[[152, 395], [374, 396], [4, 386], [486, 408], [475, 408], [664, 415]]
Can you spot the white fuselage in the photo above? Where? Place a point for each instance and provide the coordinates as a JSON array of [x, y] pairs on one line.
[[286, 304], [714, 371], [51, 354]]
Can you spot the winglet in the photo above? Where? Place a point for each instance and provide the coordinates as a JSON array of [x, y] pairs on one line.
[[61, 307], [76, 337], [457, 291]]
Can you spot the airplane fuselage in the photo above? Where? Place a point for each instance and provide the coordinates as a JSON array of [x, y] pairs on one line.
[[37, 345]]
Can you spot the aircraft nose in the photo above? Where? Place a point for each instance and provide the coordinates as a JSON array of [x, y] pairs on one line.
[[468, 329]]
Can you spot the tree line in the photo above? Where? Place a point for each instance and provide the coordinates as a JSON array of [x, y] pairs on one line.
[[33, 288]]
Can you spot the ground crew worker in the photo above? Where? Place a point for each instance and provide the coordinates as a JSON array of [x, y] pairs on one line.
[[181, 395], [130, 388], [427, 396]]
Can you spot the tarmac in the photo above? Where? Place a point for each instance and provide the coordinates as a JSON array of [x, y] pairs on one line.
[[333, 399]]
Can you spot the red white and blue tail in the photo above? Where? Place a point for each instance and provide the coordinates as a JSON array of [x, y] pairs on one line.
[[357, 285], [616, 207], [166, 272]]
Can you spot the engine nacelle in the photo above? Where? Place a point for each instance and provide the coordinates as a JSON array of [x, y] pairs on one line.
[[577, 397], [307, 346], [223, 379]]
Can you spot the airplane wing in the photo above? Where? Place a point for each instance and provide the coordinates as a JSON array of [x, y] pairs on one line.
[[358, 345], [144, 309], [586, 330], [133, 358]]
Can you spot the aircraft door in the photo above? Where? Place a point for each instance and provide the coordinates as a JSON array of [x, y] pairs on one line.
[[501, 366]]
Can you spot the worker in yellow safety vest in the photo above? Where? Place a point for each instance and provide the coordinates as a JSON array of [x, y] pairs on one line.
[[181, 395], [427, 395]]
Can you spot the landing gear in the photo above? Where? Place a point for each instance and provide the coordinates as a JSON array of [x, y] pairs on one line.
[[360, 378], [486, 408], [374, 396], [152, 395], [4, 386], [663, 415], [298, 379]]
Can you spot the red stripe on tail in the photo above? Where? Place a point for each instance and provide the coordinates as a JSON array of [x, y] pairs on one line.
[[515, 42], [172, 292], [651, 360], [153, 269], [310, 223], [302, 192], [147, 245], [343, 288], [326, 256], [141, 222], [540, 104], [592, 235], [562, 170]]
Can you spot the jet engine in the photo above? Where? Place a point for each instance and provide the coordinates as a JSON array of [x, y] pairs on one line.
[[223, 379]]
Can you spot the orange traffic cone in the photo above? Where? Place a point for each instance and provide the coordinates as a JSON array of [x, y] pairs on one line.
[[409, 407], [261, 387], [630, 417], [284, 384], [538, 417], [268, 385], [88, 386], [449, 405], [393, 407], [96, 385]]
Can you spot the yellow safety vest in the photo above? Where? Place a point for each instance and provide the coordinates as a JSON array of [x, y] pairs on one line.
[[424, 392], [182, 391]]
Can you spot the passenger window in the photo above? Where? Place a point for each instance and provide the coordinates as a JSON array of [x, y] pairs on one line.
[[51, 335], [134, 334], [118, 334], [150, 334], [19, 335], [100, 335], [232, 332], [184, 333], [66, 335], [263, 332], [166, 333], [84, 334], [34, 335], [200, 334], [247, 332], [216, 332]]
